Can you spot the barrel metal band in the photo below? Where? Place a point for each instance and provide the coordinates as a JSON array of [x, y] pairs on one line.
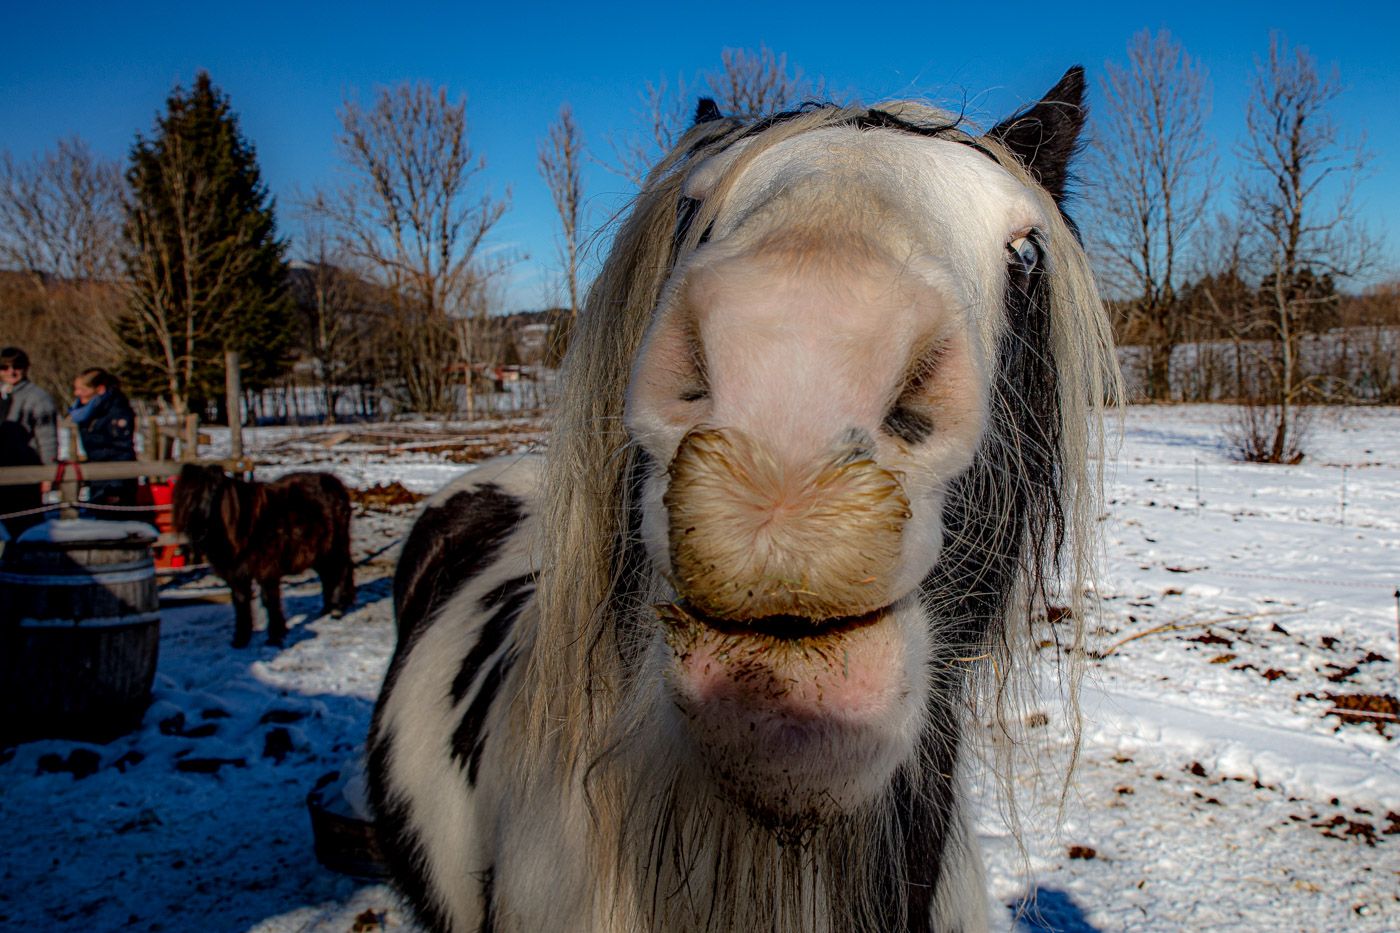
[[142, 618], [126, 573]]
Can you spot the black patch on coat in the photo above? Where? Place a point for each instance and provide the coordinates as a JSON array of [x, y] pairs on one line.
[[469, 738], [507, 600], [923, 812], [1046, 136], [1002, 520], [449, 545], [881, 120], [686, 210], [1003, 516], [631, 568]]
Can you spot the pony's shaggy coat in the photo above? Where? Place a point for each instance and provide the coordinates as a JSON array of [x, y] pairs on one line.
[[823, 444], [261, 532]]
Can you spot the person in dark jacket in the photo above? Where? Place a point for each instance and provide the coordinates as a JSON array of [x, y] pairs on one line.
[[28, 435], [107, 429]]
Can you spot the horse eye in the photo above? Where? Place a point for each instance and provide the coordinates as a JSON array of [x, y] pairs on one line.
[[1026, 251]]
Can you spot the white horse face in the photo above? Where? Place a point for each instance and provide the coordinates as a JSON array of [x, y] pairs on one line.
[[815, 377]]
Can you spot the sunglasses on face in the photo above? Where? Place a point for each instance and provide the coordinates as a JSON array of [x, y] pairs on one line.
[[6, 367]]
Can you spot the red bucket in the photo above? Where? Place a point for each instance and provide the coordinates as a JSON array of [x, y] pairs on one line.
[[160, 495]]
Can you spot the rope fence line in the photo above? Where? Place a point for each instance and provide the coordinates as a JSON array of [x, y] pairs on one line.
[[79, 504]]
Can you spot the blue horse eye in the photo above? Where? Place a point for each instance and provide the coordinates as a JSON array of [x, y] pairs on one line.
[[1026, 251]]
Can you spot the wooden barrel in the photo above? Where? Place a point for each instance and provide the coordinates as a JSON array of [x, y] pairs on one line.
[[80, 631]]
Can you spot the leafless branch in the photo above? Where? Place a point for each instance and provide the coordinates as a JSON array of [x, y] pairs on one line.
[[746, 83], [410, 213], [1154, 167], [61, 213], [560, 164]]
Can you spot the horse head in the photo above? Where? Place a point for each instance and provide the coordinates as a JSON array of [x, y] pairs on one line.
[[206, 507], [847, 419]]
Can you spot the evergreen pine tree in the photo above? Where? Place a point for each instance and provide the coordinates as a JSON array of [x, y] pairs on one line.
[[206, 266]]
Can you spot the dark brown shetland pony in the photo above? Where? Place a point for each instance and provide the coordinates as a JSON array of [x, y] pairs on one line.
[[262, 532]]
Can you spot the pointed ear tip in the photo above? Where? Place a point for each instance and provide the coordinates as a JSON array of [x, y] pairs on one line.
[[1072, 83], [706, 110]]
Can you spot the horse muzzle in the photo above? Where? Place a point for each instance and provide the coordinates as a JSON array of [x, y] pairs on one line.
[[752, 538]]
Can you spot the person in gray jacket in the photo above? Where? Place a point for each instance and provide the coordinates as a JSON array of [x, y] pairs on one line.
[[28, 435]]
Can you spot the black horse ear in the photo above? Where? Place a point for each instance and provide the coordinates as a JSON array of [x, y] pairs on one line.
[[1046, 136], [706, 111]]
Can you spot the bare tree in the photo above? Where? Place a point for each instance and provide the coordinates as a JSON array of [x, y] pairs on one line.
[[411, 215], [61, 213], [1155, 167], [60, 223], [332, 310], [663, 115], [745, 84], [561, 163], [749, 83], [1295, 203]]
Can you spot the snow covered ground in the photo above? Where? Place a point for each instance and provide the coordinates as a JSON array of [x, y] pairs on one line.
[[1213, 791]]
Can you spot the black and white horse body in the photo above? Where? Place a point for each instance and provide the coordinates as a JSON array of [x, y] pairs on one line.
[[711, 666], [468, 559]]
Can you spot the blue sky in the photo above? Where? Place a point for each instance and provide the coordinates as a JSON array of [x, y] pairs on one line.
[[103, 70]]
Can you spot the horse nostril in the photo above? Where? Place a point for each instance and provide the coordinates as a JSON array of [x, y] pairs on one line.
[[907, 424]]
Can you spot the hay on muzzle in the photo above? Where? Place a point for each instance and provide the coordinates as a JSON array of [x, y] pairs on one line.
[[752, 537]]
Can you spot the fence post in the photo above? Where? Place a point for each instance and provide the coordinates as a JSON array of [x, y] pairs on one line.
[[67, 489], [152, 438], [233, 392], [1344, 496], [189, 443]]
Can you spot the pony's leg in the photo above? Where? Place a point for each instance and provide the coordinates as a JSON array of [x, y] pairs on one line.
[[241, 594], [272, 601], [337, 584]]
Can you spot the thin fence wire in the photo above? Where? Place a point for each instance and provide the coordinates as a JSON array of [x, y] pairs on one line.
[[79, 504]]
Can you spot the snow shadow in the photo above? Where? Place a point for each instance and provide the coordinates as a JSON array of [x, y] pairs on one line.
[[1048, 910], [197, 820], [1214, 444]]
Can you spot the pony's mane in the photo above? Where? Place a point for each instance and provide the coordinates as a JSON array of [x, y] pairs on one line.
[[575, 658]]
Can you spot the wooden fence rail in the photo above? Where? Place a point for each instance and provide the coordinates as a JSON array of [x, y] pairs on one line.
[[66, 474]]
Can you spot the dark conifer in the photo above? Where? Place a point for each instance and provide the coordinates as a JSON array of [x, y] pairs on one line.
[[203, 255]]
